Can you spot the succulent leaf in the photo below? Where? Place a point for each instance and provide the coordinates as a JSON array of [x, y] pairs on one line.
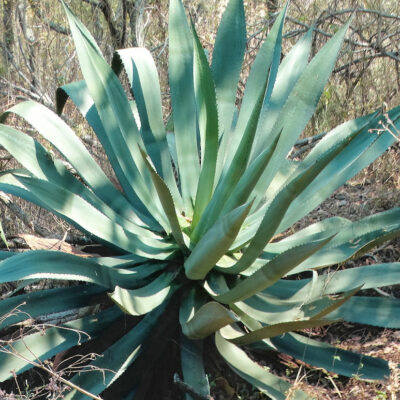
[[193, 227]]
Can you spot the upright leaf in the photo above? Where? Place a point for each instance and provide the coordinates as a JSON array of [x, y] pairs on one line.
[[116, 115], [183, 102], [229, 49], [264, 69], [301, 104], [290, 70], [142, 74], [208, 126]]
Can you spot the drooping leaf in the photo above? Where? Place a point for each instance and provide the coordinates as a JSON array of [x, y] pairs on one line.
[[145, 299], [35, 158], [32, 305], [58, 133], [329, 357], [46, 264], [255, 374], [211, 317], [86, 217]]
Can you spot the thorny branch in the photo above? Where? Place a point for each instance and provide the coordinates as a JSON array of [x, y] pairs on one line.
[[371, 48]]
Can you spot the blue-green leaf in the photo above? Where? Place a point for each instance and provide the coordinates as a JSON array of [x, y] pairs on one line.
[[193, 367], [142, 74], [329, 357], [301, 104], [183, 102], [214, 244], [264, 69], [271, 272], [114, 361], [255, 374], [208, 127], [45, 264], [145, 299], [89, 219], [229, 49], [115, 113], [43, 345]]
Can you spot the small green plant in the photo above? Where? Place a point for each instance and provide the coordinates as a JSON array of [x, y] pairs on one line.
[[197, 256]]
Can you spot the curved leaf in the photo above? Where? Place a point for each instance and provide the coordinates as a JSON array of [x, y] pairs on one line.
[[147, 298], [79, 93], [86, 217], [142, 74], [255, 374], [329, 357], [58, 133], [271, 272], [211, 317], [215, 243], [56, 265], [116, 115], [44, 302], [35, 158]]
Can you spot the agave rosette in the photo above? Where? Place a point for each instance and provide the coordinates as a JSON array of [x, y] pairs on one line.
[[194, 223]]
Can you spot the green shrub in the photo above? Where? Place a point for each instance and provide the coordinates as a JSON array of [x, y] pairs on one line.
[[197, 256]]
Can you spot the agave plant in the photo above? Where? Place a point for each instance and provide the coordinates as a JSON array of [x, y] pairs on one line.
[[195, 225]]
